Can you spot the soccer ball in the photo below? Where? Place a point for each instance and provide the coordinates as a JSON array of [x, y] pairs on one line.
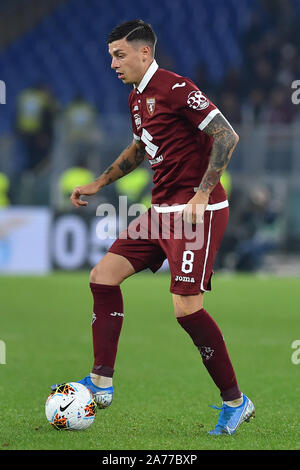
[[71, 406]]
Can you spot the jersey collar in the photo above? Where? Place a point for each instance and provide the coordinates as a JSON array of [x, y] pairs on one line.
[[147, 77]]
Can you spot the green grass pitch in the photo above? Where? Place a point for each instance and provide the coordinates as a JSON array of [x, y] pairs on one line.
[[162, 390]]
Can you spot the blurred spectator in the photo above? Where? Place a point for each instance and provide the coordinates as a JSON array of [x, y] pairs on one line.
[[286, 74], [270, 47], [280, 108], [80, 117], [35, 114], [253, 106], [136, 186], [82, 131], [78, 175], [263, 74], [233, 82], [258, 231], [230, 106], [254, 231]]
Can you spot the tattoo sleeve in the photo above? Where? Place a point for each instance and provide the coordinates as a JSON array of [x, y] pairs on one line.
[[128, 160], [225, 140]]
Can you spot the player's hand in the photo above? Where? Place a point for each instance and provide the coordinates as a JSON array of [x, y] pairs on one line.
[[86, 190], [194, 211]]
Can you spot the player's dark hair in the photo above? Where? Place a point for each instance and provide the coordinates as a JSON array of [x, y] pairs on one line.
[[136, 30]]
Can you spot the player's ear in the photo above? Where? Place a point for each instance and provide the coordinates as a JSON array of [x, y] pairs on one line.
[[146, 52]]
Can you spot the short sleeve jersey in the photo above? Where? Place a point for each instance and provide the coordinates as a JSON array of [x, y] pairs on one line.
[[169, 114]]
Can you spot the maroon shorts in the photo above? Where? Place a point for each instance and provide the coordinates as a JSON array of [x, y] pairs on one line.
[[190, 249]]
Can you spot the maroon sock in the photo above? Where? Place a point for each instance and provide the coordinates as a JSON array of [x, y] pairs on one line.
[[106, 325], [209, 340]]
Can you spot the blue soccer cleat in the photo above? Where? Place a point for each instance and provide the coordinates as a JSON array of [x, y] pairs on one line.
[[103, 396], [231, 418]]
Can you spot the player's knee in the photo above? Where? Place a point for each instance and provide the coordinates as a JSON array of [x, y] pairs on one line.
[[94, 274], [100, 275], [187, 304], [111, 270], [104, 272]]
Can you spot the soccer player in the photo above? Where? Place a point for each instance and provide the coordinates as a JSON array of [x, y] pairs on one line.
[[188, 143]]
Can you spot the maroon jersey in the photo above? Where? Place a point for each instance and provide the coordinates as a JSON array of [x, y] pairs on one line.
[[169, 114]]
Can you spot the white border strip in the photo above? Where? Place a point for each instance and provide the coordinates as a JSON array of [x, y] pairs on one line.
[[208, 118], [210, 207], [206, 253], [165, 209], [136, 137], [217, 206]]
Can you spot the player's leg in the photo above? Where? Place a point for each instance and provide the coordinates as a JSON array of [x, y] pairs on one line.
[[208, 339], [107, 320], [191, 272], [125, 257], [108, 314]]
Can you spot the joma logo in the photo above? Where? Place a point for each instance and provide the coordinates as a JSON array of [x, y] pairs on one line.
[[115, 314], [2, 92], [185, 279]]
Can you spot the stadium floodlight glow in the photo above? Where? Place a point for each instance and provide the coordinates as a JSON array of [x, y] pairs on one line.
[[2, 92]]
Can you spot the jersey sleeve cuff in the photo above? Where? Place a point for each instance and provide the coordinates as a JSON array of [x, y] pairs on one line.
[[208, 118], [136, 137]]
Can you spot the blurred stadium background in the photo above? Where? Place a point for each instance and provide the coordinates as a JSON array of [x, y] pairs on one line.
[[65, 118]]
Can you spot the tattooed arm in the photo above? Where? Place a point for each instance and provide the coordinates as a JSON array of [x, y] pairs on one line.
[[128, 160], [225, 140]]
